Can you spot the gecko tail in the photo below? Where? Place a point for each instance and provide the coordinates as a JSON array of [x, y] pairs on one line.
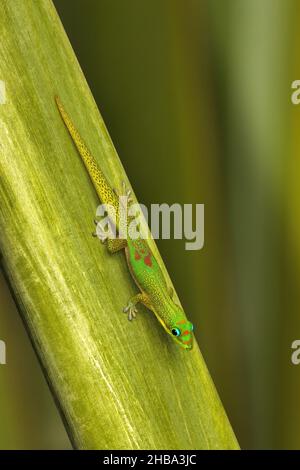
[[101, 185], [84, 152]]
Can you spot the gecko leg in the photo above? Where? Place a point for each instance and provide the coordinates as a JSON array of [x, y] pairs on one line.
[[116, 244], [131, 309], [124, 192], [113, 244], [171, 293]]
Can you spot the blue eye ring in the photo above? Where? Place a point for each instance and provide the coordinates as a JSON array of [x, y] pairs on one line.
[[192, 327], [175, 332]]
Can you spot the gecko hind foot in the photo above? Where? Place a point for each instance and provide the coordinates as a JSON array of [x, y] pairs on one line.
[[100, 233], [124, 192], [127, 192]]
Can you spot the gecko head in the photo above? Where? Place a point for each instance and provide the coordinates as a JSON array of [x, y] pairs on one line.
[[182, 333]]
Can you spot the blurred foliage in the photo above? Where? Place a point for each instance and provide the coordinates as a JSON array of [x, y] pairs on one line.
[[29, 418], [208, 83]]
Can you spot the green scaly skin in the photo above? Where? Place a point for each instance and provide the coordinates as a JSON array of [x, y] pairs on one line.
[[143, 266]]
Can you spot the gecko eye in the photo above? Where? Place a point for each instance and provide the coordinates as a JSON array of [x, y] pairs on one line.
[[175, 331]]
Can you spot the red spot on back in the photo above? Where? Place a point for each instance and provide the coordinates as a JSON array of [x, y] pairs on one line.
[[147, 260], [137, 256]]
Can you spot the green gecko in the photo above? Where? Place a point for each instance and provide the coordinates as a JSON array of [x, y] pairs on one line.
[[142, 264]]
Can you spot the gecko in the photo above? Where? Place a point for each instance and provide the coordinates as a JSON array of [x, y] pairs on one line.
[[143, 266]]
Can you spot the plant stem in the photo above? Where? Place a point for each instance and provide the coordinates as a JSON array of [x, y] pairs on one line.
[[117, 385]]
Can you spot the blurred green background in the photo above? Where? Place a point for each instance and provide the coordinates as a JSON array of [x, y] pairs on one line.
[[196, 96]]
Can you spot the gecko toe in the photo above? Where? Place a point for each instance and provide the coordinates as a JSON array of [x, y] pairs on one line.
[[131, 311]]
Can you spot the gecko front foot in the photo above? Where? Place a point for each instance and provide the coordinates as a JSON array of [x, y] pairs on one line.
[[131, 310]]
